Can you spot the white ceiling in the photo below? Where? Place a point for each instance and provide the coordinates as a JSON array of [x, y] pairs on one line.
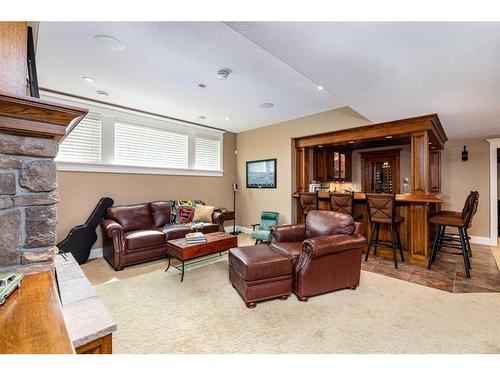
[[164, 62], [385, 71]]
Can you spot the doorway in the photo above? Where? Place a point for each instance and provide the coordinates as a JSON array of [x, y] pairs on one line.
[[494, 190]]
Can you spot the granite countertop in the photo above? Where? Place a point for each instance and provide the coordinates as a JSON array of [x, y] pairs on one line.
[[85, 315]]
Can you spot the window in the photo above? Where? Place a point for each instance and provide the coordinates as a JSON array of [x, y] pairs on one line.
[[112, 140], [150, 147], [207, 154], [83, 144]]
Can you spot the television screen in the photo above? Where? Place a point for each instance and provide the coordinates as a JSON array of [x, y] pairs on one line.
[[261, 174]]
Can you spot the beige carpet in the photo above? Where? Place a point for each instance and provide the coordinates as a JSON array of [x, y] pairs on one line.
[[204, 314]]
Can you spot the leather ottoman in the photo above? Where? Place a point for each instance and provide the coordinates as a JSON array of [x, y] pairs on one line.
[[260, 273]]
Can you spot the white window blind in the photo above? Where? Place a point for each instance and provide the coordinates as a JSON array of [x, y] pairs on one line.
[[83, 144], [151, 147], [207, 154]]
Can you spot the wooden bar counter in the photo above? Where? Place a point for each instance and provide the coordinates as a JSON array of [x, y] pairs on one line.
[[415, 231]]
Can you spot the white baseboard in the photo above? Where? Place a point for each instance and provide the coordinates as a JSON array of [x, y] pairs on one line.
[[95, 253], [479, 240]]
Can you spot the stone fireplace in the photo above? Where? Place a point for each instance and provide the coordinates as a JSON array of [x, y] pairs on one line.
[[28, 196], [30, 130]]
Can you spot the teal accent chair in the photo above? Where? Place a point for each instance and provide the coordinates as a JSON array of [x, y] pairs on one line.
[[267, 221]]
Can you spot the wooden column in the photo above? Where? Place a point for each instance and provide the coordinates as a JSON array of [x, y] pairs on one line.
[[420, 163], [13, 57], [302, 169], [302, 177]]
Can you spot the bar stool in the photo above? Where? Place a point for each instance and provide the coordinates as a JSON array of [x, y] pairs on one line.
[[343, 203], [459, 220], [308, 202], [382, 210]]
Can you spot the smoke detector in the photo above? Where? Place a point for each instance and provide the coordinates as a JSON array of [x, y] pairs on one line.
[[223, 74]]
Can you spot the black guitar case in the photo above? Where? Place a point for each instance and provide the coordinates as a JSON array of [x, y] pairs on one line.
[[81, 238]]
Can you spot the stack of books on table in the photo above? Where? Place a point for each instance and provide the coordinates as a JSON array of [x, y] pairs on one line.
[[196, 237]]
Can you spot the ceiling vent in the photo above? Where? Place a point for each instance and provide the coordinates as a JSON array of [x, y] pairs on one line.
[[223, 74]]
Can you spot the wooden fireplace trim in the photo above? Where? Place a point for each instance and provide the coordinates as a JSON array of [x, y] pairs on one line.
[[35, 117]]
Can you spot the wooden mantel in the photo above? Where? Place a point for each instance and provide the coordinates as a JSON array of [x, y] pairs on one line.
[[20, 113], [36, 117]]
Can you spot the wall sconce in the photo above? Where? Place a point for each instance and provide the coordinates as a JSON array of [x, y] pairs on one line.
[[465, 154]]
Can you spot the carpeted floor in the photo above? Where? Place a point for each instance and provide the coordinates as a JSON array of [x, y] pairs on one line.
[[204, 314]]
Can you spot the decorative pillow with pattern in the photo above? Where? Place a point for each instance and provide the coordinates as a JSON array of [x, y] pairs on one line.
[[184, 203], [197, 202], [173, 211], [184, 214]]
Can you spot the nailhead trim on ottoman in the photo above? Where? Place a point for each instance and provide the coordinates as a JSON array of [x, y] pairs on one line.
[[278, 285]]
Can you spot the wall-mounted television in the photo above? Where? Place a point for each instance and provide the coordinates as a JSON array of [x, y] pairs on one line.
[[261, 174]]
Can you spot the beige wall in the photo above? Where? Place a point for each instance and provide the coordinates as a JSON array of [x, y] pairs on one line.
[[275, 141], [459, 178], [80, 191]]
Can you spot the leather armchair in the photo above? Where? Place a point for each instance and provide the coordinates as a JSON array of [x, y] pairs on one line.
[[326, 252]]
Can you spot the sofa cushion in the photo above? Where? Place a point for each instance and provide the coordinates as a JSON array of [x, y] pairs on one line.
[[259, 262], [324, 223], [160, 213], [144, 238], [203, 213], [291, 249], [176, 232], [131, 218]]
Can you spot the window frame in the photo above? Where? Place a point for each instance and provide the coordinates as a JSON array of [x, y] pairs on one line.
[[109, 115], [93, 116]]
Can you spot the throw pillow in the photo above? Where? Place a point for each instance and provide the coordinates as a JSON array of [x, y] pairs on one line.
[[203, 214], [197, 202], [184, 214], [184, 203]]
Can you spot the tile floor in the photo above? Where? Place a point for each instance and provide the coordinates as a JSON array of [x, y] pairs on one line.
[[447, 272]]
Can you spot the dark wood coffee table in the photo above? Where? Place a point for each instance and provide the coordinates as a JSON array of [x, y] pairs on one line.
[[181, 250]]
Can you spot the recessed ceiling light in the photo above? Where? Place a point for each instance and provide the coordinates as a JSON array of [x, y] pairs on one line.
[[320, 146], [110, 42], [201, 117], [320, 88], [102, 93], [88, 79], [389, 136], [227, 118], [266, 105], [351, 141], [223, 73], [202, 86]]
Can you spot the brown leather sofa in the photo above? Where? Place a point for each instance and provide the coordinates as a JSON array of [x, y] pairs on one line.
[[326, 252], [325, 255], [135, 233]]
